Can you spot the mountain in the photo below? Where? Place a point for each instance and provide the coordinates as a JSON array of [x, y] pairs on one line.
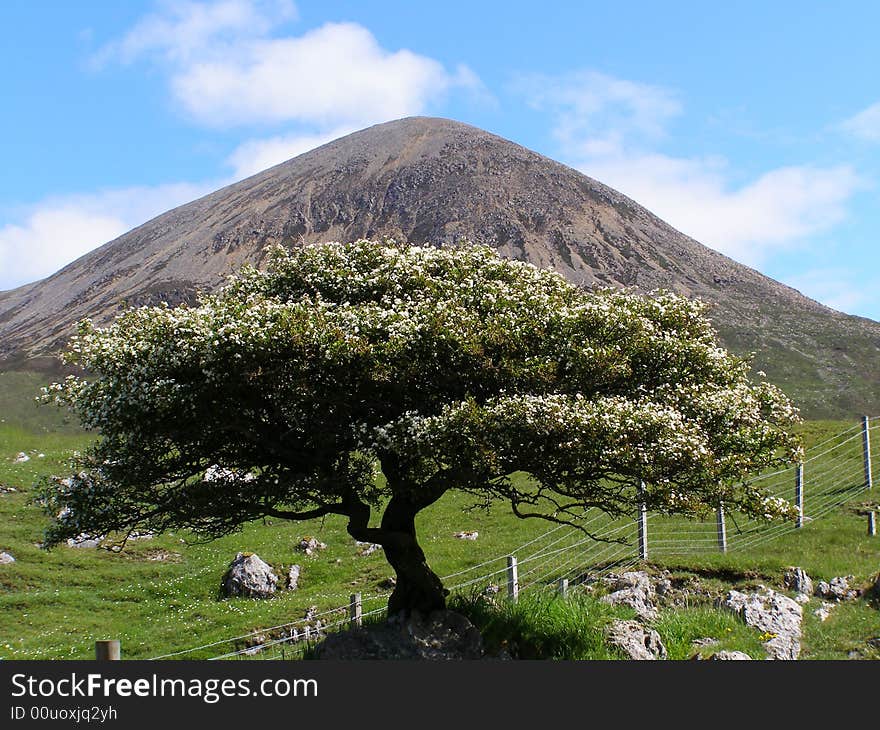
[[437, 181]]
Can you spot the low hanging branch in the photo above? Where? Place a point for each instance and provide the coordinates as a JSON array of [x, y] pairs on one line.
[[286, 394]]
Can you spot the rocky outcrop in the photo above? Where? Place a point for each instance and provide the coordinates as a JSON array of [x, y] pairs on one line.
[[440, 635], [249, 576], [633, 589], [635, 640], [85, 541], [777, 616]]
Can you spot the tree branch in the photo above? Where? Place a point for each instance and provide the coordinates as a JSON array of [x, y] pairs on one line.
[[330, 509]]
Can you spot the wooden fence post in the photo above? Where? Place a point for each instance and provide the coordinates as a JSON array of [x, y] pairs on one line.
[[562, 587], [722, 529], [866, 445], [355, 610], [643, 524], [512, 578], [107, 651], [799, 494]]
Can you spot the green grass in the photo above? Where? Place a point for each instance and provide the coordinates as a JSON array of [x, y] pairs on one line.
[[18, 390], [679, 628], [543, 626], [56, 604]]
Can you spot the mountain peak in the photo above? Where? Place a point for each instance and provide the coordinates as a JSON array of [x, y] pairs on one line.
[[436, 181]]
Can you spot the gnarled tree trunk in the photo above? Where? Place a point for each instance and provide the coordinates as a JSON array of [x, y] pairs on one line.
[[418, 587]]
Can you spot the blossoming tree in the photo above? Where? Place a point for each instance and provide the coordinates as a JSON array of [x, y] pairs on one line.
[[285, 394]]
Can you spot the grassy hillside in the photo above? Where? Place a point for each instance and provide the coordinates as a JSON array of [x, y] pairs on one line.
[[18, 389], [161, 595]]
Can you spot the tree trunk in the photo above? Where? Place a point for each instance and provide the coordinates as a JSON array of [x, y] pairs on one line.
[[418, 587]]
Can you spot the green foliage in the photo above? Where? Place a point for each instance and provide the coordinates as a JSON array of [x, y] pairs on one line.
[[450, 369]]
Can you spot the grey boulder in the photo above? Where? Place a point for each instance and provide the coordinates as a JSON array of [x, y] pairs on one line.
[[249, 576]]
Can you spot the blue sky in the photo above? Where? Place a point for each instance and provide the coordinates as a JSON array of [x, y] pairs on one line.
[[754, 127]]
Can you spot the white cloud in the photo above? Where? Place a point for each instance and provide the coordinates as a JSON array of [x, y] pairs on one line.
[[227, 68], [610, 128], [183, 30], [227, 65], [776, 211], [56, 231], [865, 125], [256, 155], [336, 74]]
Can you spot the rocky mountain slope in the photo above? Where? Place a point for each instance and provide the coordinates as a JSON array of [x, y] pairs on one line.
[[436, 181]]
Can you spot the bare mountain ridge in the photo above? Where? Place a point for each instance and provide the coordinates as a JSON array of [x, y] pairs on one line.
[[436, 181]]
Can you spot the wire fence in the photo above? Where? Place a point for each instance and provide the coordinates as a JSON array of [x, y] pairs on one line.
[[833, 472]]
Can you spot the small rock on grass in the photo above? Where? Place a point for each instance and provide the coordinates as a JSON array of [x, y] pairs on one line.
[[310, 545], [837, 589], [367, 548], [725, 656], [824, 611], [293, 574], [797, 580], [6, 558]]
